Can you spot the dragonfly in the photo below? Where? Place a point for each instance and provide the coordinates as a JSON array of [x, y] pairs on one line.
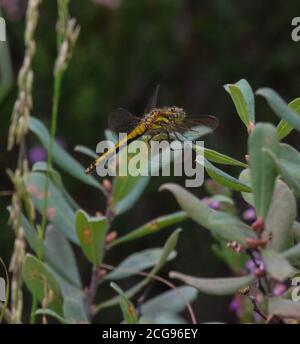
[[170, 122]]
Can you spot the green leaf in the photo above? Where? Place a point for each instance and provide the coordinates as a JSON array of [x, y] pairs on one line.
[[4, 292], [74, 312], [50, 313], [195, 209], [91, 233], [284, 308], [58, 209], [170, 302], [224, 178], [86, 151], [292, 254], [111, 136], [31, 236], [60, 156], [168, 250], [277, 266], [126, 191], [151, 227], [41, 282], [283, 128], [55, 249], [222, 199], [127, 307], [243, 98], [279, 106], [42, 166], [6, 69], [296, 230], [280, 218], [68, 290], [214, 286], [235, 261], [263, 172], [220, 158], [228, 227], [164, 318], [59, 254], [287, 165], [137, 262], [245, 177]]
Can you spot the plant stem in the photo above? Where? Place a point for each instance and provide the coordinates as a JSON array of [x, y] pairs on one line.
[[96, 277], [257, 309], [92, 290], [33, 309], [56, 97]]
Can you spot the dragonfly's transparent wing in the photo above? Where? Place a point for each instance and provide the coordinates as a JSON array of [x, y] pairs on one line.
[[195, 127], [122, 121], [152, 103]]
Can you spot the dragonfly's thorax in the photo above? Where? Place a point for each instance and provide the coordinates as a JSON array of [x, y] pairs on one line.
[[166, 117]]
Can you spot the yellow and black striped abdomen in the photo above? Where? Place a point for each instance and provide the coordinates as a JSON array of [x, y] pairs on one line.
[[132, 136]]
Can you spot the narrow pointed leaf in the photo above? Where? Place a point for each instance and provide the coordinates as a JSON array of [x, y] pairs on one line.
[[214, 286], [277, 266], [280, 218], [74, 312], [263, 172], [51, 313], [287, 166], [243, 98], [137, 262], [220, 158], [151, 227], [280, 108], [284, 308], [171, 302], [168, 250], [245, 177], [228, 227], [284, 128], [292, 254], [127, 307], [296, 230], [126, 191], [224, 178], [60, 156], [59, 254], [59, 211], [86, 151]]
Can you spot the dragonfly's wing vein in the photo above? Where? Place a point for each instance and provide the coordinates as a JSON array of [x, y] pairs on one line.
[[122, 121], [152, 103]]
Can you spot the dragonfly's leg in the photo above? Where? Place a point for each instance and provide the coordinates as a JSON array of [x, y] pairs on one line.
[[178, 139], [150, 138], [168, 136]]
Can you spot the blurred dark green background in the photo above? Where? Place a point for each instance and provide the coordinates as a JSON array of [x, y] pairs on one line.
[[125, 48]]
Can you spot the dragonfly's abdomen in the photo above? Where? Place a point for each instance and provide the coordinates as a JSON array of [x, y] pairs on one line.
[[133, 135], [138, 131]]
